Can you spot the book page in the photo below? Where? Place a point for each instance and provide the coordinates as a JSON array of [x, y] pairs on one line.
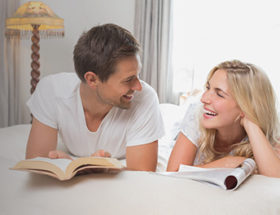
[[100, 163], [61, 163]]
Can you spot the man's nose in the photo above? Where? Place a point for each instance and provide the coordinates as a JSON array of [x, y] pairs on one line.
[[137, 85]]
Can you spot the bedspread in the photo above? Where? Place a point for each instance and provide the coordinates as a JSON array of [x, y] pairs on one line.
[[128, 192]]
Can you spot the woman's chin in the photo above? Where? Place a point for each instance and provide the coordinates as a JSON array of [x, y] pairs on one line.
[[207, 125]]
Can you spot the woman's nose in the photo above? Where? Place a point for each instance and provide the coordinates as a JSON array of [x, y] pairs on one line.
[[205, 98]]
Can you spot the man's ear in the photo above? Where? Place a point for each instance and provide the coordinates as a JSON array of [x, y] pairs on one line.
[[91, 79]]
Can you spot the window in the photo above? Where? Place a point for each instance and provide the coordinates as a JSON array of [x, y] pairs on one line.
[[206, 33]]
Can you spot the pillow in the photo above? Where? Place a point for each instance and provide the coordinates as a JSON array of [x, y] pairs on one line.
[[172, 116]]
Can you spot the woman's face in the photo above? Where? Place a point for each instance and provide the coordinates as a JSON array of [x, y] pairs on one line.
[[220, 109]]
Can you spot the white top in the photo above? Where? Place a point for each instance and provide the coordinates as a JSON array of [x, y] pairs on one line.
[[56, 102], [190, 126], [190, 123]]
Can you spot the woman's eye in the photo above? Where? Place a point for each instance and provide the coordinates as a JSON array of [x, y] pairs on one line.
[[220, 95]]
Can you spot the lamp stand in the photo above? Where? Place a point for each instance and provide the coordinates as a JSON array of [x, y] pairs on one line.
[[35, 65]]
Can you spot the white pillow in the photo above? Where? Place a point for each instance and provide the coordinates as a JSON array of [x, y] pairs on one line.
[[172, 116]]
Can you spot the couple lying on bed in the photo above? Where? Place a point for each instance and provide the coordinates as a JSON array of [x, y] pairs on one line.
[[105, 110]]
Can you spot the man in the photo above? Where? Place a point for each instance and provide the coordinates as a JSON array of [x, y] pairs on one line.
[[107, 111]]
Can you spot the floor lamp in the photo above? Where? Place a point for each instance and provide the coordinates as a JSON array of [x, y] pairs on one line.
[[34, 19]]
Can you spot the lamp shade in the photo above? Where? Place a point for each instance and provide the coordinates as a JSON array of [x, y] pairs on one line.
[[35, 13]]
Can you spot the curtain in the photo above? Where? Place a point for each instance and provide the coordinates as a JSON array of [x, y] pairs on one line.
[[9, 71], [153, 30]]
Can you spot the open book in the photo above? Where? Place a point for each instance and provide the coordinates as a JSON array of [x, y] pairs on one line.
[[226, 178], [65, 169]]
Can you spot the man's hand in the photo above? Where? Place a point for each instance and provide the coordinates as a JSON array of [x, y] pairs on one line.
[[55, 154], [101, 153]]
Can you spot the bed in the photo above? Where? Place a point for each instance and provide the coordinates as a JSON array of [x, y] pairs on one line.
[[128, 192]]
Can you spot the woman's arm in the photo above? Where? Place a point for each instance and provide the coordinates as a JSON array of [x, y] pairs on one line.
[[183, 152], [266, 157], [225, 162]]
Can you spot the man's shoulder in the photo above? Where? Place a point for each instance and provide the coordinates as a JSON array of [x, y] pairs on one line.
[[146, 99], [60, 84], [62, 77], [147, 92]]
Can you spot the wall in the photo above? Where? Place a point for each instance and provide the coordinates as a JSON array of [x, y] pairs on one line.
[[56, 54]]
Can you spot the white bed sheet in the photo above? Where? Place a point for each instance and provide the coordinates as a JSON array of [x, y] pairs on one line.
[[129, 192]]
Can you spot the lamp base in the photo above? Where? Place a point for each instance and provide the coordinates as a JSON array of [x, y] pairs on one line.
[[35, 56]]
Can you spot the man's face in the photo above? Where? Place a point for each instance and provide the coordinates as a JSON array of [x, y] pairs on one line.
[[119, 88]]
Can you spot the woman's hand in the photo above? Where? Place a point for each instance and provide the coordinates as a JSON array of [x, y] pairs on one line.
[[247, 123], [266, 157]]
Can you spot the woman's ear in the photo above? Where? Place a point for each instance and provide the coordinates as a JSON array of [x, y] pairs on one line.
[[240, 116], [91, 79]]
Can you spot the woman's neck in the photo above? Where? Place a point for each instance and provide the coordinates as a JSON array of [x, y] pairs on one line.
[[225, 138]]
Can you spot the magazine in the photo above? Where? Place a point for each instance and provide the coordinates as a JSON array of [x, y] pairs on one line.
[[226, 178]]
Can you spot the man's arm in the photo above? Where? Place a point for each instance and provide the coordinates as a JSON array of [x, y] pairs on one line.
[[42, 139], [142, 157]]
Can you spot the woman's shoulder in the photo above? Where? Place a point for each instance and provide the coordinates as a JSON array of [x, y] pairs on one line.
[[190, 123]]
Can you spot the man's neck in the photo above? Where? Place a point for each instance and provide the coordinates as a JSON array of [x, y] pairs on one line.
[[93, 108]]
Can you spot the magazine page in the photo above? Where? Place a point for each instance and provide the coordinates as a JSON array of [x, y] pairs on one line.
[[212, 176], [238, 175], [226, 178]]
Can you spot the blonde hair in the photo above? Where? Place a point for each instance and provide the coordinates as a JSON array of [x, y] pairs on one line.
[[253, 92]]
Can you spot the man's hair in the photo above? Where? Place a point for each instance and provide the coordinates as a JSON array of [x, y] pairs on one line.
[[101, 48], [254, 94]]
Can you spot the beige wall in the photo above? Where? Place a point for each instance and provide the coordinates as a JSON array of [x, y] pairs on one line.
[[79, 16]]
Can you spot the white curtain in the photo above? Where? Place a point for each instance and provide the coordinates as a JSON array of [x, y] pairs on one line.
[[9, 71], [153, 31]]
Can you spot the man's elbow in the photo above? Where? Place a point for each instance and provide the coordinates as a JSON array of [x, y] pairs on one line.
[[144, 167]]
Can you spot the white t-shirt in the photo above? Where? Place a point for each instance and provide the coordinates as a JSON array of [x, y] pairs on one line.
[[56, 102], [190, 126], [190, 123]]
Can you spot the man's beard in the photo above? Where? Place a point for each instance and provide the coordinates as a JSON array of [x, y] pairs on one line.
[[122, 103]]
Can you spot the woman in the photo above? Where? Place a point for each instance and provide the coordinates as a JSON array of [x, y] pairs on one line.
[[238, 120]]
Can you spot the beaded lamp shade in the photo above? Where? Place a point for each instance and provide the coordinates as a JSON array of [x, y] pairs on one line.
[[34, 19]]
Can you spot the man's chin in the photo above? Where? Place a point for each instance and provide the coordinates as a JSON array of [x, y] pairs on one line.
[[124, 105]]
